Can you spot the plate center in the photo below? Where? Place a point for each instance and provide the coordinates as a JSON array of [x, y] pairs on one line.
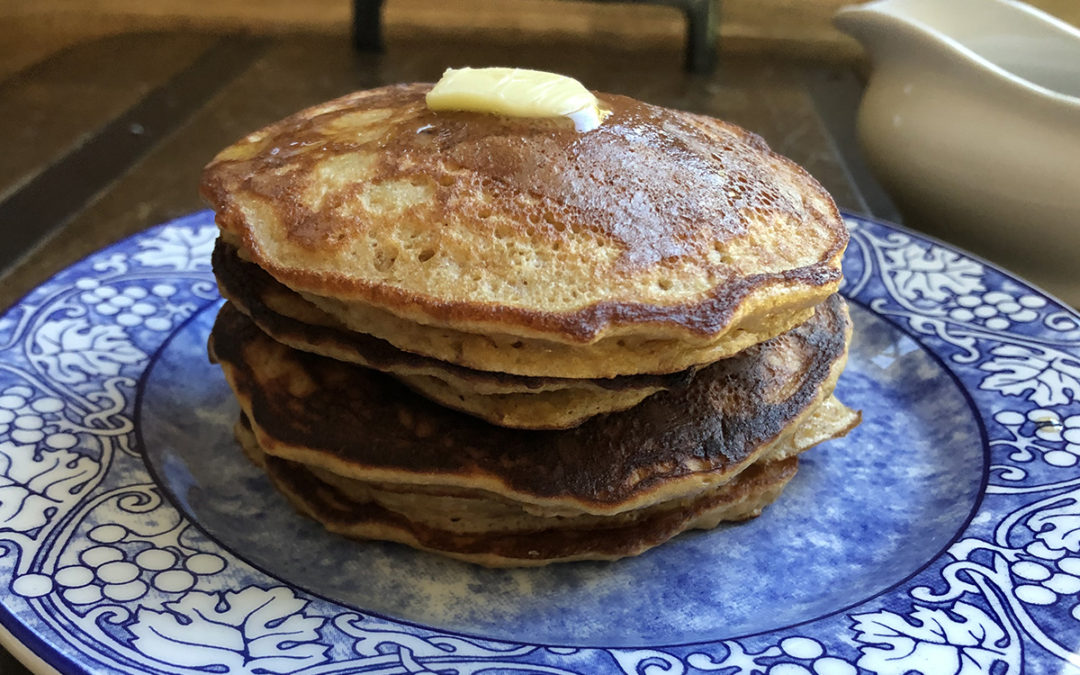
[[862, 515]]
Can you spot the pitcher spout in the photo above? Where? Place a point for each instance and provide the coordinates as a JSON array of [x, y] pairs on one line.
[[1010, 40], [971, 121]]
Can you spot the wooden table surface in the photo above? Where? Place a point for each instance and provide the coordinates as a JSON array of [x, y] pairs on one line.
[[108, 138]]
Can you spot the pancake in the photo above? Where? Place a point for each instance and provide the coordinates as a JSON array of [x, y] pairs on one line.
[[514, 543], [464, 510], [510, 353], [499, 398], [515, 342], [360, 424], [658, 242]]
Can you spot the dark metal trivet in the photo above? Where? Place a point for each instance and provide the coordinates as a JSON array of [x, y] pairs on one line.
[[701, 19]]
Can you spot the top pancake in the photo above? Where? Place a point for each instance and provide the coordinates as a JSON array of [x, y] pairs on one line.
[[658, 224]]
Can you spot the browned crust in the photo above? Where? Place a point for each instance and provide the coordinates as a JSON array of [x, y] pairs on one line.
[[731, 411], [245, 285], [709, 316], [751, 490]]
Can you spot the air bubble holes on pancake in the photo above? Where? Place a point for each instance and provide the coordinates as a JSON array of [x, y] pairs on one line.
[[385, 257], [766, 234], [720, 255], [727, 150], [555, 223]]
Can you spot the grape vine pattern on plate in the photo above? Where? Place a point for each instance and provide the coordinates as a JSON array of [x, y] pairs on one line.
[[102, 568]]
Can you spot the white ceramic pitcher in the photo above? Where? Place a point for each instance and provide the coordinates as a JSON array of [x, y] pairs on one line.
[[971, 120]]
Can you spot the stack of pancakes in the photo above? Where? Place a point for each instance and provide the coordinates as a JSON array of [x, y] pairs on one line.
[[513, 343]]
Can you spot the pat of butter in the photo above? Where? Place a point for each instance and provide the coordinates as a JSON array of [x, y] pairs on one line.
[[516, 92]]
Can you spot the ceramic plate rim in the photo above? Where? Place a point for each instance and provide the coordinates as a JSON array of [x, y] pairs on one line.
[[918, 317]]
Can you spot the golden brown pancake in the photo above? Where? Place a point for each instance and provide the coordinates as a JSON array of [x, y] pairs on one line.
[[658, 242], [360, 424], [507, 400]]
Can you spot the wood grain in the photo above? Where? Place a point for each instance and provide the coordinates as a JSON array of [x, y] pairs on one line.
[[31, 29], [52, 106]]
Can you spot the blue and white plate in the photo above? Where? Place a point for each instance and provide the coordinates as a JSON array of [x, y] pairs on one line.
[[941, 536]]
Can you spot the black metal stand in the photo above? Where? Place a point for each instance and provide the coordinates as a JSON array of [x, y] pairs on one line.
[[367, 25], [702, 17]]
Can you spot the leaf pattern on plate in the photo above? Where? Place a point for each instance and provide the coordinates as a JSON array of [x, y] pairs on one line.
[[1047, 377], [932, 273], [71, 351], [251, 631], [35, 483], [180, 248], [960, 640]]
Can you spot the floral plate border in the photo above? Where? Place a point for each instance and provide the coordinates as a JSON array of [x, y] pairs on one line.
[[103, 575]]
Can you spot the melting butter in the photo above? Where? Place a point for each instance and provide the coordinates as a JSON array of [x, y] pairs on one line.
[[517, 92]]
